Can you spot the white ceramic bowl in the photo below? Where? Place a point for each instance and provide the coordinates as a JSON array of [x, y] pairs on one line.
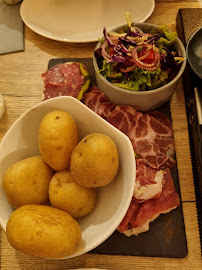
[[21, 141], [146, 100]]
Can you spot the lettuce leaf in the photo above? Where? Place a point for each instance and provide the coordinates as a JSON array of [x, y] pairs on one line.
[[144, 80], [108, 71], [167, 38], [159, 80]]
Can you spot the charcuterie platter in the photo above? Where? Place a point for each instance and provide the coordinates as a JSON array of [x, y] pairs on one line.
[[166, 235]]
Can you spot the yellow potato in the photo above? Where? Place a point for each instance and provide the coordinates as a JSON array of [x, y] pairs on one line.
[[57, 139], [67, 195], [27, 182], [94, 161], [43, 231]]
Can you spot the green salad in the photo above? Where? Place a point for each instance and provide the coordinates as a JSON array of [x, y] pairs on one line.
[[137, 60]]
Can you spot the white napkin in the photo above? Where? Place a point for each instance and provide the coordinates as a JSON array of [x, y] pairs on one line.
[[11, 28]]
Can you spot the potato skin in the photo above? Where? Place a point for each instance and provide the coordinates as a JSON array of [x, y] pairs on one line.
[[94, 161], [27, 182], [67, 195], [57, 138], [43, 231]]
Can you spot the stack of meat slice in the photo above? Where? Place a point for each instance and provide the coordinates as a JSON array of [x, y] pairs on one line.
[[151, 135], [139, 215]]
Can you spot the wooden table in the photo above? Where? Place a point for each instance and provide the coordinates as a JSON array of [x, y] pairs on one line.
[[21, 85]]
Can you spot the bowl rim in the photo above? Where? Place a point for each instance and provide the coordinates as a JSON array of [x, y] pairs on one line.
[[148, 92]]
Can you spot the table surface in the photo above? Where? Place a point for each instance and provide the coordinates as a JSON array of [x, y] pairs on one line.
[[21, 85]]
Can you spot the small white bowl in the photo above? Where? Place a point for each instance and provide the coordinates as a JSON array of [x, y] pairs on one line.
[[145, 100], [21, 141]]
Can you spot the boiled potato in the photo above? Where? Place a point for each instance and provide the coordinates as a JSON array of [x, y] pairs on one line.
[[67, 195], [27, 182], [57, 139], [43, 231], [94, 161]]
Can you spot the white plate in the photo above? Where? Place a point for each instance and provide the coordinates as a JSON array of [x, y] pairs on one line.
[[81, 20]]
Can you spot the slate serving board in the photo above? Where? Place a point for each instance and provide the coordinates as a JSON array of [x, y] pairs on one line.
[[166, 237]]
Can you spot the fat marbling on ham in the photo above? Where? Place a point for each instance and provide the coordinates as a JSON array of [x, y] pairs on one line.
[[152, 138], [122, 118]]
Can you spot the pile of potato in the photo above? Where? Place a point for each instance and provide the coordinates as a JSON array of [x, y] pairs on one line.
[[51, 190]]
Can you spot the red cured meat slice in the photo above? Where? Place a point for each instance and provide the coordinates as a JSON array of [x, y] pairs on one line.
[[152, 138], [98, 102], [149, 182], [165, 125], [63, 80], [121, 117], [52, 90], [72, 74], [53, 75], [144, 175], [151, 209], [151, 133], [132, 210]]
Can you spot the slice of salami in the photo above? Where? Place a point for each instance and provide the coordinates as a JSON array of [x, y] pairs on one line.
[[55, 90], [63, 80], [53, 75]]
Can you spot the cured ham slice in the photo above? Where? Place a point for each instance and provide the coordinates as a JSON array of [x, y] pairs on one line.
[[149, 210], [165, 139], [151, 133], [131, 213], [149, 182], [63, 80], [98, 102], [152, 138], [121, 117]]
